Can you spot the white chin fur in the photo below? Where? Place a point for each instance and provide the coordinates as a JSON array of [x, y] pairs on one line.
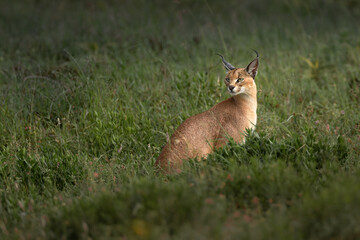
[[242, 90]]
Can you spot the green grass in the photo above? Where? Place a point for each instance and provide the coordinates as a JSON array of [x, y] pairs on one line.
[[89, 91]]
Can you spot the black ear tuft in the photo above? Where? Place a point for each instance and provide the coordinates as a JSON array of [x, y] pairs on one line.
[[253, 66], [227, 65]]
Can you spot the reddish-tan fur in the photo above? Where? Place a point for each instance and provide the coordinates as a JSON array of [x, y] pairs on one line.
[[200, 134]]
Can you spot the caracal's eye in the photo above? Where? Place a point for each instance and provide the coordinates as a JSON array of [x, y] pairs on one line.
[[239, 80], [227, 79]]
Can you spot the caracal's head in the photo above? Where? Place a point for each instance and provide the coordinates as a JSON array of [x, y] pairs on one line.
[[241, 80]]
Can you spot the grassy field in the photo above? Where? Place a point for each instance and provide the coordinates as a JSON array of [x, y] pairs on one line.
[[89, 91]]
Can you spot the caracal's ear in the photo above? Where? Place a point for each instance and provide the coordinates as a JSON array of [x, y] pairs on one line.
[[227, 65], [253, 66]]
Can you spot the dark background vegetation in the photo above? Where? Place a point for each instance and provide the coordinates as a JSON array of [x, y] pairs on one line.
[[89, 91]]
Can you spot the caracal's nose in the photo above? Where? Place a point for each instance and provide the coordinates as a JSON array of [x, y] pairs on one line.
[[231, 87]]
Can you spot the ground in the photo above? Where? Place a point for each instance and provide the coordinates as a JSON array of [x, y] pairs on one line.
[[90, 91]]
